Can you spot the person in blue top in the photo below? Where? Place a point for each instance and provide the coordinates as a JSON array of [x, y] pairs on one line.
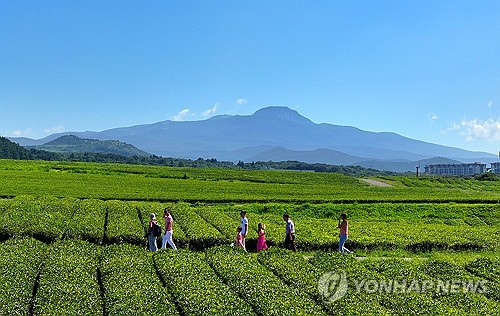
[[289, 233]]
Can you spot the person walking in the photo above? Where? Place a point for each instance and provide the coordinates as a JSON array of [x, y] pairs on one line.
[[169, 223], [289, 233], [261, 240], [151, 234], [244, 227], [238, 241], [344, 233]]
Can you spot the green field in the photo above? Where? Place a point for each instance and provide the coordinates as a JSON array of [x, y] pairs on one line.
[[164, 184], [72, 242]]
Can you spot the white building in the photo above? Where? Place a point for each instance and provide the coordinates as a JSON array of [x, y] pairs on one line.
[[495, 167], [464, 169]]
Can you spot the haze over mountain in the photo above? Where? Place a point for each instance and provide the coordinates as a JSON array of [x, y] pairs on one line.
[[277, 133]]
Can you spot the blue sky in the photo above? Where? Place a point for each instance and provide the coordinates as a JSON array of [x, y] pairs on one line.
[[428, 70]]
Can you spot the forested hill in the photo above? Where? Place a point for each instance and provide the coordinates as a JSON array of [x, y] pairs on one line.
[[11, 150], [74, 144]]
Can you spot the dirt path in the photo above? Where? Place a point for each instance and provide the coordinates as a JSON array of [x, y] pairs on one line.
[[376, 183]]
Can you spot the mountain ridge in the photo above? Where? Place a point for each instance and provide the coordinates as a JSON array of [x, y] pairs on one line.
[[230, 137]]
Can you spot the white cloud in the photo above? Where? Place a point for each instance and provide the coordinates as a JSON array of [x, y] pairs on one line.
[[182, 115], [490, 104], [54, 129], [477, 129], [432, 117], [19, 133], [241, 101], [211, 111]]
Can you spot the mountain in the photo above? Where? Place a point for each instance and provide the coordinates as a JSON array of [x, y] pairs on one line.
[[74, 144], [24, 141], [275, 132]]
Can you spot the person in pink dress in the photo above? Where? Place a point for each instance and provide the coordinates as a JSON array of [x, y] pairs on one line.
[[238, 242], [261, 241]]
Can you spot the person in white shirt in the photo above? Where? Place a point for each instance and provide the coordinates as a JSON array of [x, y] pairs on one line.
[[169, 224], [244, 227]]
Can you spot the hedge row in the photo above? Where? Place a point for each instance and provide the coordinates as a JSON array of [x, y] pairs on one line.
[[44, 218], [203, 226], [20, 261], [362, 302], [123, 223], [130, 283], [88, 221], [80, 278], [267, 294], [408, 302], [196, 287], [69, 280], [199, 232], [443, 270]]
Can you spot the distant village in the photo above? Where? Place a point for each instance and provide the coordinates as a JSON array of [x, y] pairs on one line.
[[464, 169]]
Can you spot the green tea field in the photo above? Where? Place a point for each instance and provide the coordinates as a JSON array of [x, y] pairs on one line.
[[72, 242]]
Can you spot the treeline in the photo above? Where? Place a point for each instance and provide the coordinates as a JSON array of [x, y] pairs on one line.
[[316, 167], [11, 150]]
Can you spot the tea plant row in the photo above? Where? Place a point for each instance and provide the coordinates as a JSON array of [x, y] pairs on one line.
[[413, 227], [81, 278]]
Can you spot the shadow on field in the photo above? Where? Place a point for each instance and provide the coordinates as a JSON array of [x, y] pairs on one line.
[[202, 244]]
